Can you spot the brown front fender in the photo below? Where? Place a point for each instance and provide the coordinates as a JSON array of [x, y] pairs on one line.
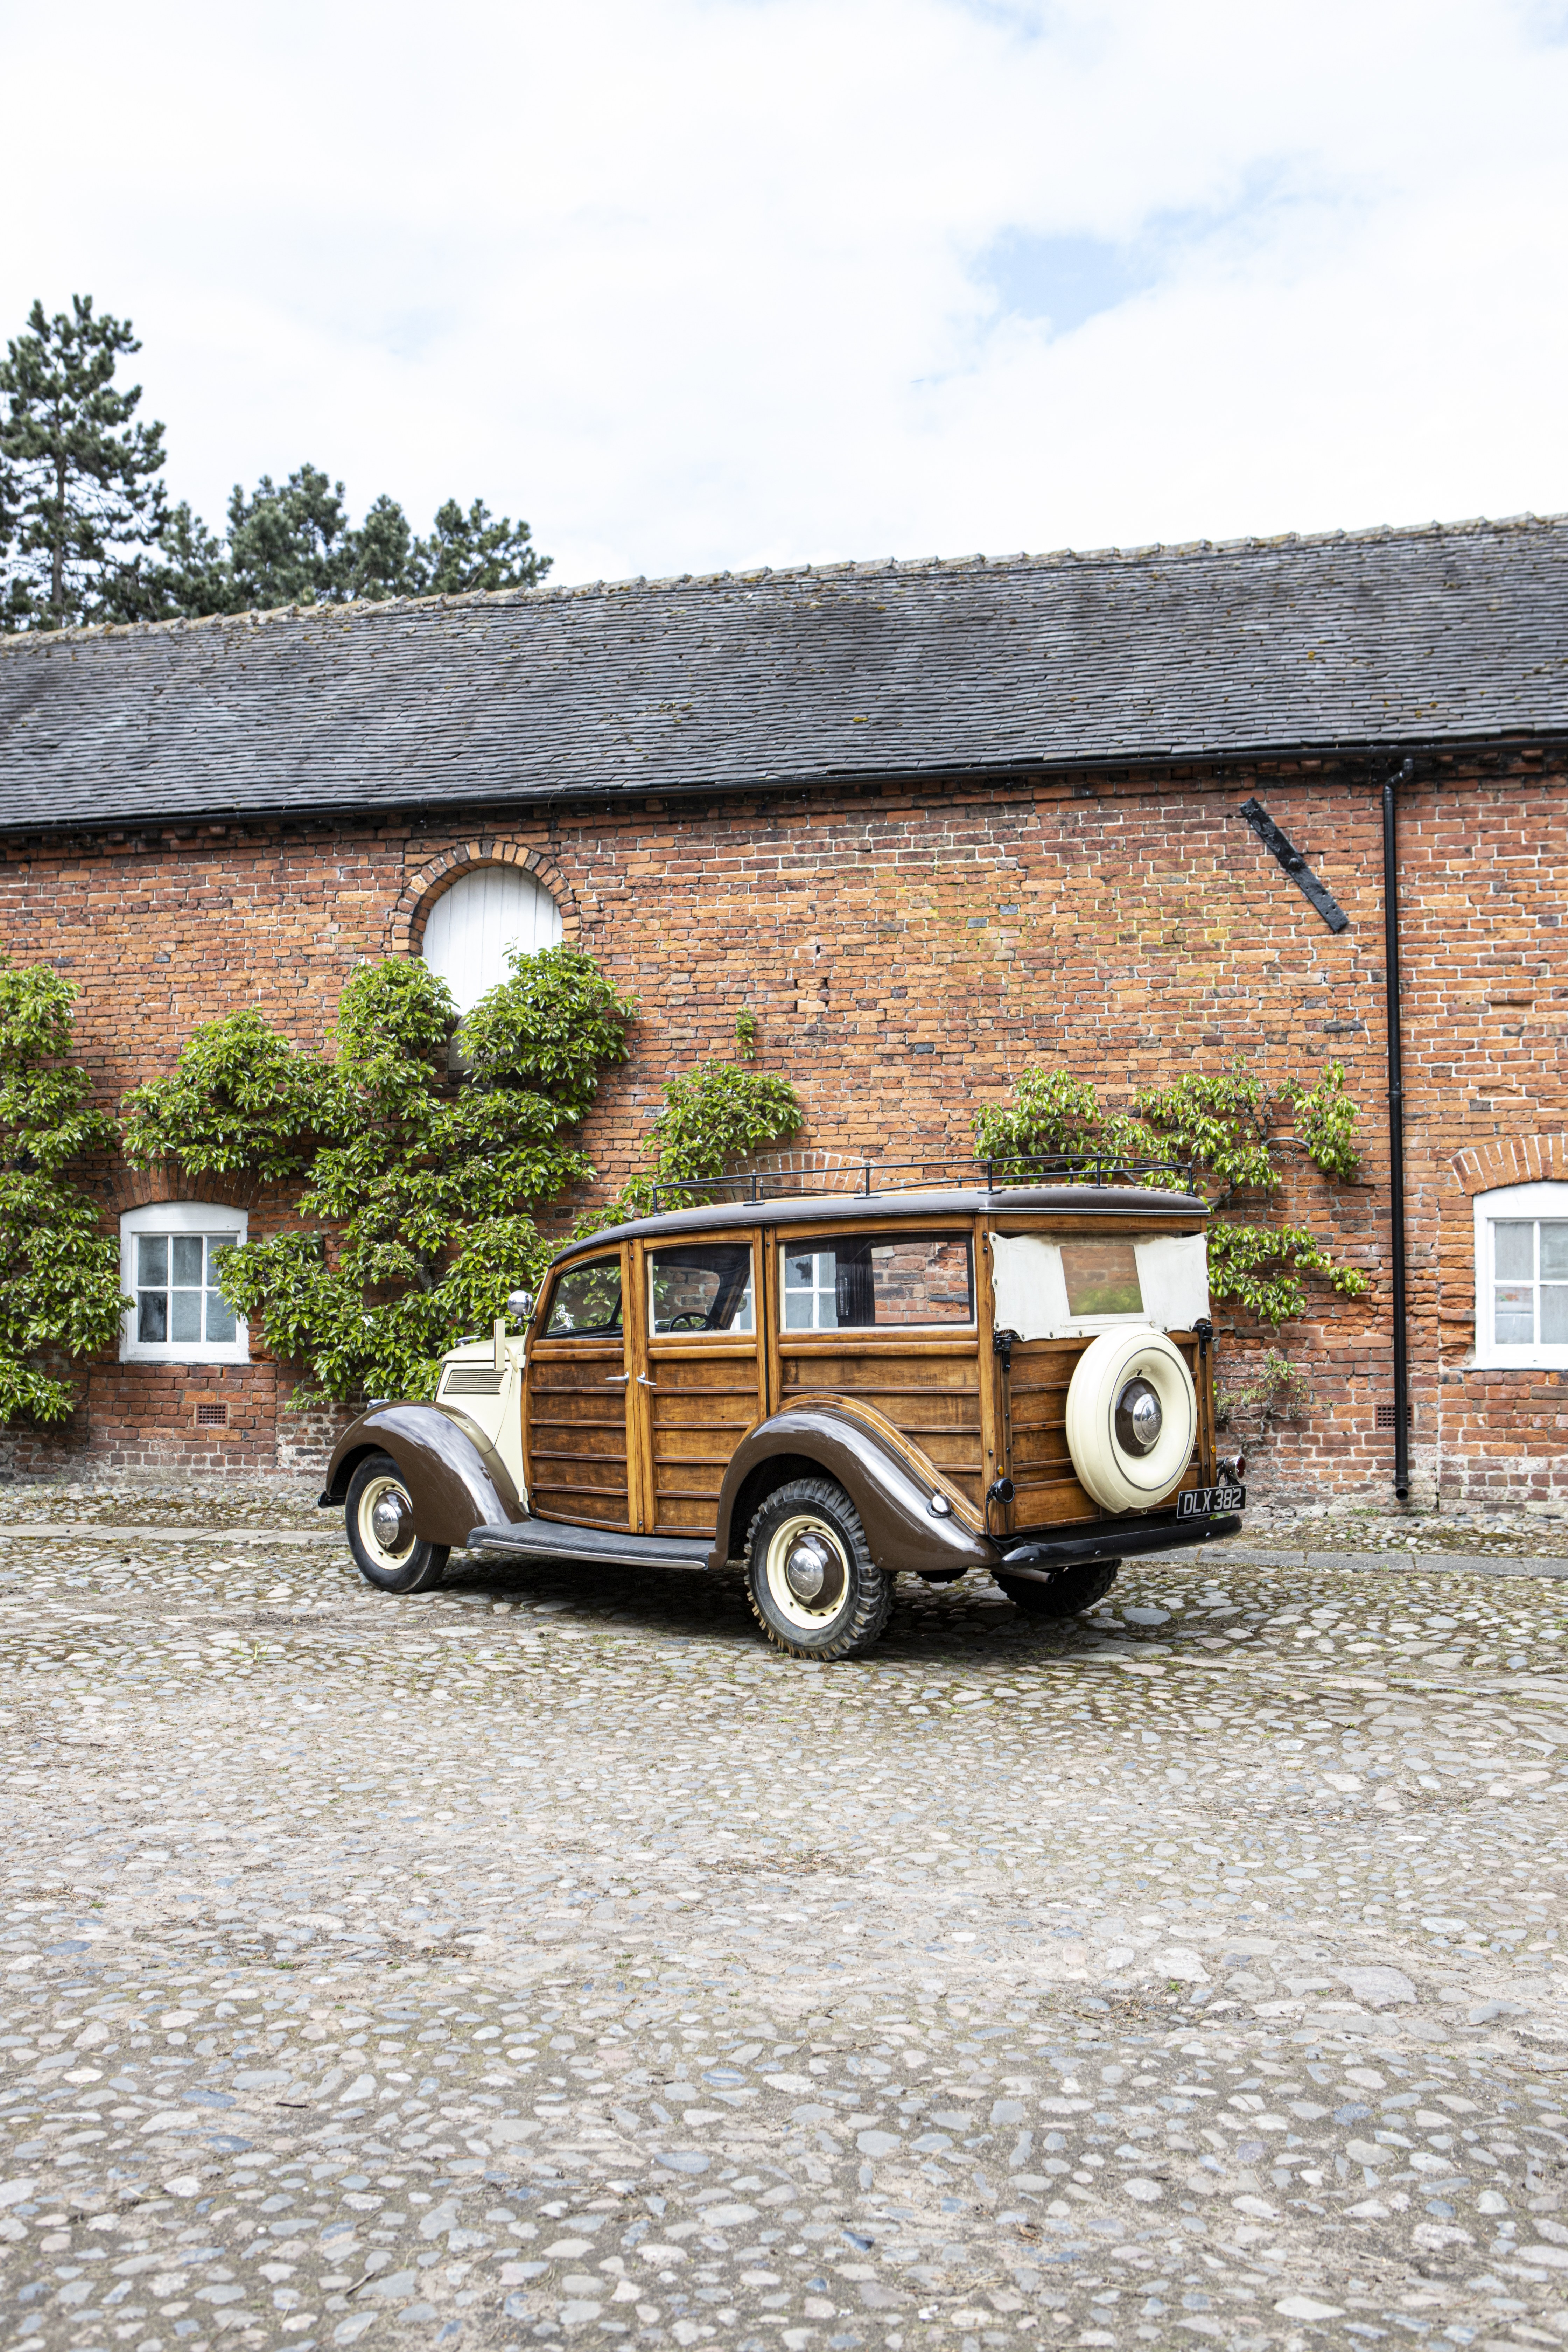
[[455, 1482], [889, 1485]]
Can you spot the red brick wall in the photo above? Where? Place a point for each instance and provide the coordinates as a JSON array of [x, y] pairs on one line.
[[906, 951]]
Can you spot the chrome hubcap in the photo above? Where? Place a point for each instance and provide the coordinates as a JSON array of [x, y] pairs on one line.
[[808, 1567], [389, 1522], [386, 1522], [1139, 1418]]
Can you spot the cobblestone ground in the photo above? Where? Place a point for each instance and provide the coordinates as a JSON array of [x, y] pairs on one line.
[[526, 1961]]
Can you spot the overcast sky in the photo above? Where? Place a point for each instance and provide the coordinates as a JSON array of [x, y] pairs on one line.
[[697, 284]]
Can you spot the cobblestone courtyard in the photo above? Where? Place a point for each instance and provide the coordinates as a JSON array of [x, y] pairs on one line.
[[530, 1962]]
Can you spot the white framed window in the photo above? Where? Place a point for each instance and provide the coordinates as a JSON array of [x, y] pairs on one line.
[[810, 1291], [1522, 1275], [880, 1281], [169, 1261], [472, 925]]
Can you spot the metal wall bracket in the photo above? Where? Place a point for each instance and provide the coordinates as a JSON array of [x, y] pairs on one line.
[[1296, 866]]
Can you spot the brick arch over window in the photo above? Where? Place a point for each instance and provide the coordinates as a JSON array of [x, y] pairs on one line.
[[134, 1188], [428, 883], [1511, 1159]]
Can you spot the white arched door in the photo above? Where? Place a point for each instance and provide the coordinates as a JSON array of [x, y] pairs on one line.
[[472, 925]]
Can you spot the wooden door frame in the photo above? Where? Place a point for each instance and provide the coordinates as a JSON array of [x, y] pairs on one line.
[[672, 1346], [560, 1351]]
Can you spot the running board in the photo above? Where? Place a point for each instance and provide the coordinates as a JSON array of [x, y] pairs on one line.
[[549, 1539]]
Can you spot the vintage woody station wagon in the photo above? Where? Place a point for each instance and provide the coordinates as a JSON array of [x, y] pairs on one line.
[[831, 1390]]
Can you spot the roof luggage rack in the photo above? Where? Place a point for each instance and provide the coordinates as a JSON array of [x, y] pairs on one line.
[[788, 1177]]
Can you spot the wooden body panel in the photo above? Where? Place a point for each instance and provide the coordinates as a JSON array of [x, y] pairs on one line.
[[702, 1401], [575, 1435], [1046, 1489], [928, 1387]]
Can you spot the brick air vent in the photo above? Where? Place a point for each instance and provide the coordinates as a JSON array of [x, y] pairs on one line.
[[1385, 1419], [212, 1416]]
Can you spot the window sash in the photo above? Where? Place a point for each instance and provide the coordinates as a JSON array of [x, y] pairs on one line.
[[178, 1302], [855, 1285], [1528, 1302]]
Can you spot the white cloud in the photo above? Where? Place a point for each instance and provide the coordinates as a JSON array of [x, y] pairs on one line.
[[704, 282]]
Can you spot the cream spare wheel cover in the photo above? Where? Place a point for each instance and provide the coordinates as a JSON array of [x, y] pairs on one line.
[[1119, 1477]]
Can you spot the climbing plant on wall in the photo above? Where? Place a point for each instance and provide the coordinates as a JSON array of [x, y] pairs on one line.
[[1220, 1126], [60, 1271], [421, 1179], [714, 1118]]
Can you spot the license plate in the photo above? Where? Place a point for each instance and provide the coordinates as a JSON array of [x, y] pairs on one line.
[[1204, 1502]]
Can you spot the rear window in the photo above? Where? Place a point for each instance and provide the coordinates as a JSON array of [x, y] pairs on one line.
[[877, 1284], [1101, 1278], [586, 1301]]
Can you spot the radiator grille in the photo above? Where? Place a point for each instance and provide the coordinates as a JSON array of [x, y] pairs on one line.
[[472, 1380]]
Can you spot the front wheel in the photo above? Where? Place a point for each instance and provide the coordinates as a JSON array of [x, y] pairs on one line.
[[1069, 1593], [814, 1589], [380, 1515]]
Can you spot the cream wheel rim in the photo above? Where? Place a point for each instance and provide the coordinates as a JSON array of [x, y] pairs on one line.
[[387, 1523], [806, 1571]]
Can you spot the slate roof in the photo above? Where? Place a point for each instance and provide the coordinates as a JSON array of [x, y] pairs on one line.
[[1447, 635]]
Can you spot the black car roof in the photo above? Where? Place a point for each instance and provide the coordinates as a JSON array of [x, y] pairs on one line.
[[896, 1208]]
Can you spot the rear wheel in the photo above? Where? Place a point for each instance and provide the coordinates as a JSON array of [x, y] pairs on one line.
[[380, 1515], [1069, 1593], [814, 1589]]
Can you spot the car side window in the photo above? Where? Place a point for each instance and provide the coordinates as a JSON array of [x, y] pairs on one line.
[[882, 1285], [701, 1287], [586, 1301]]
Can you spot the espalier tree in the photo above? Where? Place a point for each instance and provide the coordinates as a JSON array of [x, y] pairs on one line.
[[1220, 1124], [420, 1187], [60, 1271]]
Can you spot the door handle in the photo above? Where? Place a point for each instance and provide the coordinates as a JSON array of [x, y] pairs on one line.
[[611, 1378], [644, 1382]]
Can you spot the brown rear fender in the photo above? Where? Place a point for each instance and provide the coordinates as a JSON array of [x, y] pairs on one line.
[[456, 1479], [879, 1472]]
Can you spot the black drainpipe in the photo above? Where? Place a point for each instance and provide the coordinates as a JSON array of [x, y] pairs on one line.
[[1396, 1133]]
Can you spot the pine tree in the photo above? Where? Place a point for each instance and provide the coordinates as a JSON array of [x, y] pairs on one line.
[[473, 551], [290, 544], [80, 493], [196, 576], [382, 554]]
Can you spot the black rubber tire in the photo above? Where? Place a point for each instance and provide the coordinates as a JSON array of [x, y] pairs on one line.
[[1069, 1593], [866, 1600], [413, 1570]]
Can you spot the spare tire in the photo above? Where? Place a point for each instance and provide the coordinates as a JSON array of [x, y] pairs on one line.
[[1132, 1417]]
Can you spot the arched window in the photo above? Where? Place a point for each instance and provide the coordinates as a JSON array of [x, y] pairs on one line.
[[472, 925], [1522, 1275], [170, 1256]]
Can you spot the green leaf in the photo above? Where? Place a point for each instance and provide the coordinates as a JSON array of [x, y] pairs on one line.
[[1325, 1121]]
